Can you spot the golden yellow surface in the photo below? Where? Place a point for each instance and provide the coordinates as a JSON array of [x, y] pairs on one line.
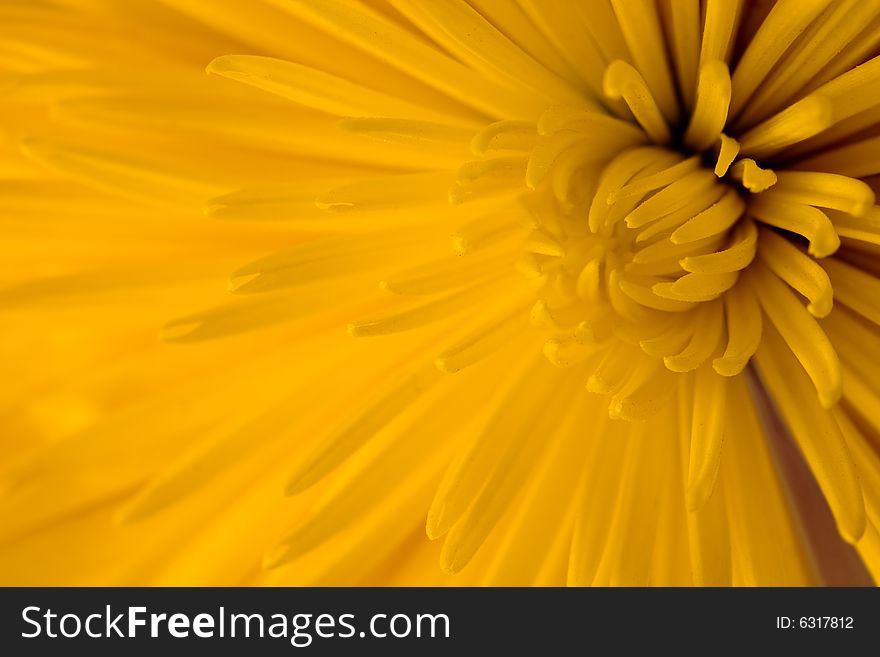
[[494, 292]]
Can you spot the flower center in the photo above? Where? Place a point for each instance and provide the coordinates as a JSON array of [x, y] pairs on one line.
[[636, 255], [644, 238]]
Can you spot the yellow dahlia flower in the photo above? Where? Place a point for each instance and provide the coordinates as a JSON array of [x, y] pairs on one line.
[[611, 269]]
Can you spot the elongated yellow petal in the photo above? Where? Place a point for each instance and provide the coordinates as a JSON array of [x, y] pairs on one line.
[[432, 311], [715, 219], [645, 394], [857, 160], [703, 343], [701, 186], [462, 30], [707, 434], [686, 40], [804, 119], [643, 290], [315, 89], [655, 181], [482, 342], [801, 333], [722, 18], [734, 258], [620, 171], [622, 563], [798, 270], [728, 149], [400, 48], [816, 432], [623, 81], [865, 229], [786, 21], [360, 427], [805, 220], [464, 479], [248, 314], [599, 481], [640, 26], [466, 536], [444, 274], [826, 190], [744, 324], [820, 43], [855, 288], [698, 286], [710, 113]]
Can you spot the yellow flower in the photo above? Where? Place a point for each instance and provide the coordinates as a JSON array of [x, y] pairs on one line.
[[611, 269]]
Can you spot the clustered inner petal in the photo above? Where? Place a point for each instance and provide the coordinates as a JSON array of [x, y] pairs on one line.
[[657, 241]]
